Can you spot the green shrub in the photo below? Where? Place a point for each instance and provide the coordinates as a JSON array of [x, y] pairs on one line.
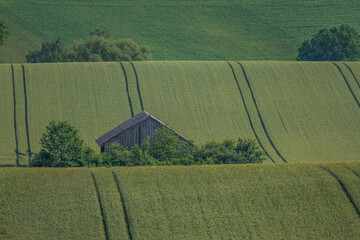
[[230, 152], [62, 147], [99, 47]]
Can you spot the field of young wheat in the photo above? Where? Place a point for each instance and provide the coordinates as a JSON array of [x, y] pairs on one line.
[[259, 201]]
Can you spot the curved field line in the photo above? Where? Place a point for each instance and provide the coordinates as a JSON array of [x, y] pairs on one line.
[[260, 117], [351, 170], [127, 220], [138, 86], [347, 83], [345, 190], [247, 112], [15, 124], [357, 81], [26, 113], [106, 231], [127, 90]]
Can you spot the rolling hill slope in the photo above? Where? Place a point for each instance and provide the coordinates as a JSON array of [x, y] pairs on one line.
[[259, 201], [178, 30], [297, 111]]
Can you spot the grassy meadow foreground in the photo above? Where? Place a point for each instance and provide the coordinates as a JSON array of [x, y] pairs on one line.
[[296, 111], [261, 201], [178, 30]]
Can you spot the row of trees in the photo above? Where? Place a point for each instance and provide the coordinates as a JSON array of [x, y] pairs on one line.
[[99, 47], [62, 147]]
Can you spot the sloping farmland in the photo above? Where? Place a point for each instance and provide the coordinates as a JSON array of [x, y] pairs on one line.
[[307, 109]]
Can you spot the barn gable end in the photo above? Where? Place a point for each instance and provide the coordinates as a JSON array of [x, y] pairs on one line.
[[133, 132]]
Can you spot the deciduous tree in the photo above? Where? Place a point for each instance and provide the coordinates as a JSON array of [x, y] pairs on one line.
[[336, 44]]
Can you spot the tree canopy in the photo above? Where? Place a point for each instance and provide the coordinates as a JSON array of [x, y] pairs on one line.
[[99, 47], [335, 44], [4, 31], [62, 147]]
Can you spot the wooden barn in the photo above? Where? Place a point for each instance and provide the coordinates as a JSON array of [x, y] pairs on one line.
[[133, 132]]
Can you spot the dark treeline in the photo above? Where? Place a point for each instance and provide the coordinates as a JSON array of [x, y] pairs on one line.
[[99, 47]]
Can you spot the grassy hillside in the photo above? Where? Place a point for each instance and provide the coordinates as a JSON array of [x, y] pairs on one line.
[[307, 109], [297, 111], [178, 30], [292, 201]]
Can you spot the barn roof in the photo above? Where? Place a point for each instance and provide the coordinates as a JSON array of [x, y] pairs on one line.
[[128, 124]]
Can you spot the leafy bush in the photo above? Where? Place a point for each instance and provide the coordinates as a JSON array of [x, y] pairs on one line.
[[230, 152], [49, 52], [62, 147], [99, 47], [336, 44]]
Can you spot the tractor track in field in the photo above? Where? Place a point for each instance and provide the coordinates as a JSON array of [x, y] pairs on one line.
[[138, 86], [351, 170], [259, 114], [15, 123], [348, 67], [345, 190], [347, 83], [126, 214], [247, 112], [106, 231], [26, 112], [127, 89]]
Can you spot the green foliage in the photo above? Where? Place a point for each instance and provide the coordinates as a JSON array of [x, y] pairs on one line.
[[4, 31], [230, 152], [165, 149], [168, 148], [62, 147], [336, 44], [49, 52], [99, 47]]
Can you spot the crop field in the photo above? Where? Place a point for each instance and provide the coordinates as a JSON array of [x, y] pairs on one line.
[[307, 108], [43, 203], [178, 30], [297, 111], [259, 201]]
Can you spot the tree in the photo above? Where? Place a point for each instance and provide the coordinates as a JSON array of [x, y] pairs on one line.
[[99, 47], [336, 44], [4, 31], [62, 147], [168, 149], [49, 52]]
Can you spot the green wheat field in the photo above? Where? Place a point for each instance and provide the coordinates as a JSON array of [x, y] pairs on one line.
[[208, 81]]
